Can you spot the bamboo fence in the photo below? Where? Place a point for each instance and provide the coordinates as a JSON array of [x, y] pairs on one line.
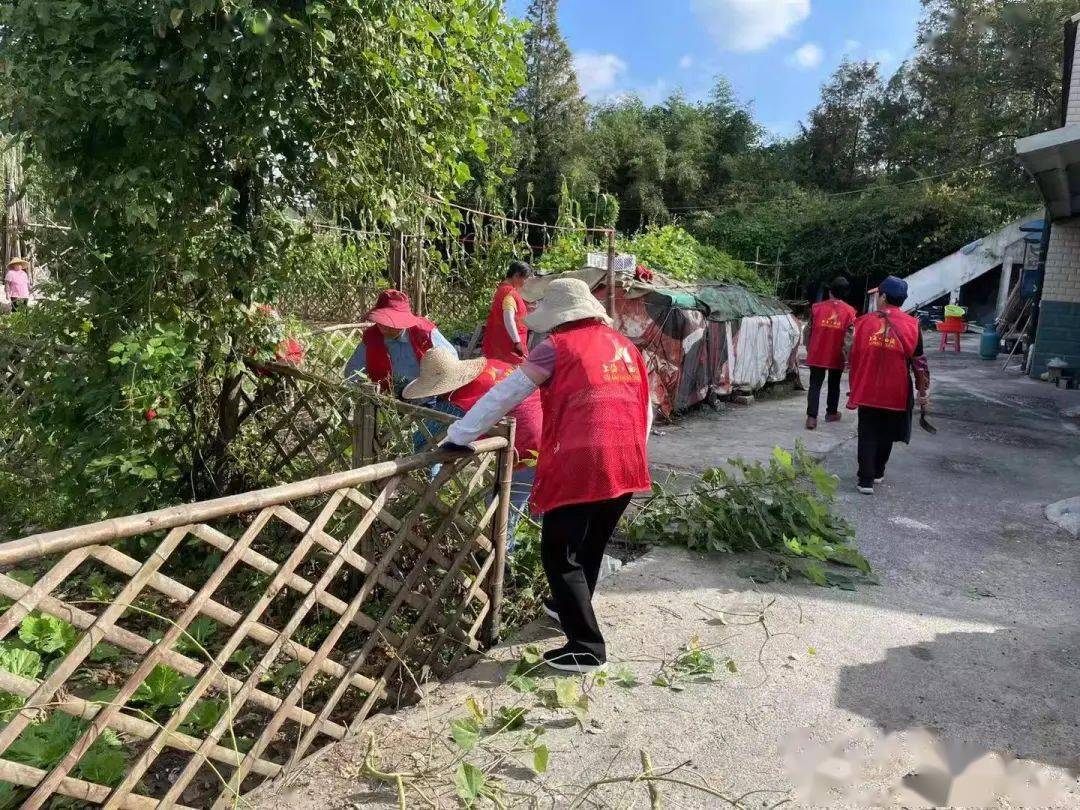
[[329, 598]]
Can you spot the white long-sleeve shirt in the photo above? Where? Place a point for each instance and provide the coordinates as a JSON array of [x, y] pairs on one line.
[[511, 392]]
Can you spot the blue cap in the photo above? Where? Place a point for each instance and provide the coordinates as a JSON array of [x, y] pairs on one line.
[[893, 287]]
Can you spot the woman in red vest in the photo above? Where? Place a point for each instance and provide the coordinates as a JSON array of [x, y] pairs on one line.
[[886, 351], [461, 383], [830, 325], [506, 337], [390, 350], [594, 389]]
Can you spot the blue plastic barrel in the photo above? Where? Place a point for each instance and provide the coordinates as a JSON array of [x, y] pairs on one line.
[[989, 344]]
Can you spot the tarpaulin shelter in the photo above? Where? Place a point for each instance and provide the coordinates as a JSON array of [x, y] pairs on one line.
[[697, 339]]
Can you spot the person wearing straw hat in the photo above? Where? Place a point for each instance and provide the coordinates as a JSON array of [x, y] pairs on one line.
[[506, 337], [391, 349], [461, 383], [594, 390], [17, 283]]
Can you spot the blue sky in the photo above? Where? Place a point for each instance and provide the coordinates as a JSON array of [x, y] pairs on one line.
[[776, 53]]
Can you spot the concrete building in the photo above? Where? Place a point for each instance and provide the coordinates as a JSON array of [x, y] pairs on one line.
[[1053, 159]]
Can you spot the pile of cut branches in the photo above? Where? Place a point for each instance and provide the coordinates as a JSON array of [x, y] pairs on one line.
[[783, 508]]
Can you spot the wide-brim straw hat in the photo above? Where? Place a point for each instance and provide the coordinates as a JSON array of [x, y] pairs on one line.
[[441, 372], [565, 300], [18, 261]]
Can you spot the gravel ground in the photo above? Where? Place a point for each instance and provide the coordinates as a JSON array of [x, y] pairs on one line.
[[920, 692]]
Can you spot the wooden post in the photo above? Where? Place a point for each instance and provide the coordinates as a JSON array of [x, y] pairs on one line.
[[395, 259], [419, 304], [611, 273], [497, 577]]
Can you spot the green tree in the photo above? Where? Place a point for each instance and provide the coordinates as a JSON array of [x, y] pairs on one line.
[[837, 138], [178, 138], [549, 141]]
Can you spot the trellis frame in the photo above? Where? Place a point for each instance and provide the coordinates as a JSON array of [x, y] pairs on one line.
[[476, 568]]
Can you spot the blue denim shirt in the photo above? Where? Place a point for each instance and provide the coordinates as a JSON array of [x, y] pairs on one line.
[[402, 358]]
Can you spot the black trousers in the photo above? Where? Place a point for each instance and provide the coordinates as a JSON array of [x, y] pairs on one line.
[[572, 546], [879, 430], [19, 303], [832, 400]]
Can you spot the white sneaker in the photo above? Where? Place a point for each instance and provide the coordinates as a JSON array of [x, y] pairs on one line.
[[565, 661], [866, 490], [880, 480]]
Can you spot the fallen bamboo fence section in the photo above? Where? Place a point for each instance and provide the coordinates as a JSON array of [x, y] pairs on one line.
[[239, 634]]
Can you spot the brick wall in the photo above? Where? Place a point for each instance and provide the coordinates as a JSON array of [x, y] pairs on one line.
[[1059, 312], [1062, 282], [1072, 112]]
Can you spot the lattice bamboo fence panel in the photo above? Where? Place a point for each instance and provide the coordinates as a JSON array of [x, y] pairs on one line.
[[178, 658], [300, 423], [14, 397]]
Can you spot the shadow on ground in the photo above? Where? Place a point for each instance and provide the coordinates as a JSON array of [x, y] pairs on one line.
[[1016, 690]]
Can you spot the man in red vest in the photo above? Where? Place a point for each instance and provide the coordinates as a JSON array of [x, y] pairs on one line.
[[506, 337], [886, 352], [594, 389], [830, 325], [390, 350], [460, 384]]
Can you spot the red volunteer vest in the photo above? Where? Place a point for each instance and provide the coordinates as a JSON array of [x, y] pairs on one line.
[[595, 412], [529, 414], [830, 321], [497, 344], [881, 355], [377, 358]]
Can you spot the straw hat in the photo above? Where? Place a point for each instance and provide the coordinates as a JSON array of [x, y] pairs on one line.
[[566, 300], [17, 261], [441, 372], [393, 309]]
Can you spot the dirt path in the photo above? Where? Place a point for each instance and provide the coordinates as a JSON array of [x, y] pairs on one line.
[[969, 648]]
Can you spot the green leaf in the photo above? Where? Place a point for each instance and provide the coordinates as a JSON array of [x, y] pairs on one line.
[[103, 763], [541, 755], [24, 663], [43, 745], [731, 666], [466, 733], [567, 692], [782, 456], [9, 704], [475, 710], [469, 782], [47, 634], [509, 718], [105, 653], [816, 574], [626, 677], [203, 717], [522, 683], [197, 637], [175, 16], [164, 687]]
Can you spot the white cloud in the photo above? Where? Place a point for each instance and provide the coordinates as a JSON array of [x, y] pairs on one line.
[[750, 25], [884, 57], [598, 72], [807, 57], [686, 62], [851, 45]]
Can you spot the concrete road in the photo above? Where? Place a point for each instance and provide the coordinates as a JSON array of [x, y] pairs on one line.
[[918, 692]]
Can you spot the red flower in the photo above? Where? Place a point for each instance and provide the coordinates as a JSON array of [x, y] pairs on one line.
[[151, 414]]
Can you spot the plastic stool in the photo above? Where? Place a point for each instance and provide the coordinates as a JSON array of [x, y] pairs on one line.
[[945, 340]]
